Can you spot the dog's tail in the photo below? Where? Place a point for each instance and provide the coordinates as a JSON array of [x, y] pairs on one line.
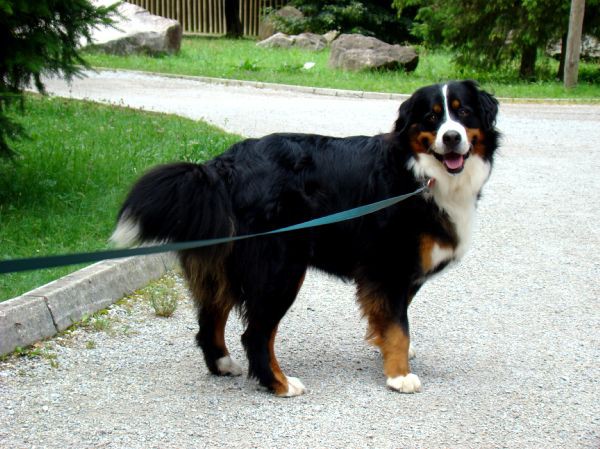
[[175, 203], [182, 202]]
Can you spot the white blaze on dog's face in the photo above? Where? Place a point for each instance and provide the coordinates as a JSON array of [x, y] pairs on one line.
[[451, 145], [446, 127]]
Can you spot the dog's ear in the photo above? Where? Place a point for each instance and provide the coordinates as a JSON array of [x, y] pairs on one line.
[[489, 109], [488, 104], [404, 115]]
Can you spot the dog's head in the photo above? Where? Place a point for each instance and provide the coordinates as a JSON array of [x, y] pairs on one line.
[[446, 124]]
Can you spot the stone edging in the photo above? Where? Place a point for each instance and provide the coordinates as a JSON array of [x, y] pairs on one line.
[[52, 308], [330, 91]]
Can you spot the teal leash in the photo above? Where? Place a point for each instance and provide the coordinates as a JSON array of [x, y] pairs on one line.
[[37, 263]]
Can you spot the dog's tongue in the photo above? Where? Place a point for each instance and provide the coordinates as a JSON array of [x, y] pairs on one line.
[[453, 161]]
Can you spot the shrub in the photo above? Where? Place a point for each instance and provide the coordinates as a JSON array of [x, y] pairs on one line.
[[371, 18]]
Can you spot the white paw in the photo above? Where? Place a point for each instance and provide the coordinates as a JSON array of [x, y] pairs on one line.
[[411, 352], [227, 366], [295, 388], [405, 384]]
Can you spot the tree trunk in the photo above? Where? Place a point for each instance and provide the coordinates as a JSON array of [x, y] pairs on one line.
[[574, 43], [232, 18], [528, 57], [563, 52]]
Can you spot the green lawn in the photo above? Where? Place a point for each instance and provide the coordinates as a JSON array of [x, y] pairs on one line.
[[242, 59], [63, 191]]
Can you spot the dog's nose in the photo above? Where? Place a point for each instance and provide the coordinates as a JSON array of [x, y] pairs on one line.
[[451, 138]]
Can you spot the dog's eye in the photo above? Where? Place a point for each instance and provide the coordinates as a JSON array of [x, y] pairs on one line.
[[463, 112], [431, 118]]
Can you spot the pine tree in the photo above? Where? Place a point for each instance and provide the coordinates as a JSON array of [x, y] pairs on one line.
[[40, 38]]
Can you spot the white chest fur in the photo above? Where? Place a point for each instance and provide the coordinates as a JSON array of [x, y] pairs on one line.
[[454, 194]]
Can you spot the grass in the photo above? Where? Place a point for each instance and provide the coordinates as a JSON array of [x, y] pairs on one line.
[[40, 349], [242, 59], [63, 191], [163, 296]]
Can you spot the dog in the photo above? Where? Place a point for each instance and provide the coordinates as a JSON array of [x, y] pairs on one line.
[[445, 133]]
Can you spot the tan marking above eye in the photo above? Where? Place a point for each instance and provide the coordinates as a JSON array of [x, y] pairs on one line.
[[437, 108], [455, 104]]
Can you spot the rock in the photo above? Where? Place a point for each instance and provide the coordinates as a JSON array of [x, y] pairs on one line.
[[554, 48], [590, 48], [357, 52], [308, 41], [279, 40], [330, 36], [136, 31], [267, 26]]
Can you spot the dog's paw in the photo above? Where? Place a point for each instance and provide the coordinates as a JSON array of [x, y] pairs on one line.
[[228, 367], [411, 352], [295, 388], [405, 384]]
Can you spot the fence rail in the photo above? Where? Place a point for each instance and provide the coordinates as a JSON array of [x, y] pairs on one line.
[[208, 16]]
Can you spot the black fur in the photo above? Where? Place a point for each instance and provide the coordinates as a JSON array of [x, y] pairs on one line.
[[283, 179]]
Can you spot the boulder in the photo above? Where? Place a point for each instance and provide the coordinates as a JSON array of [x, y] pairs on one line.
[[590, 48], [135, 30], [330, 36], [308, 41], [267, 26], [358, 52], [279, 40]]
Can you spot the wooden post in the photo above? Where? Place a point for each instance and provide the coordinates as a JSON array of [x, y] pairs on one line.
[[574, 43]]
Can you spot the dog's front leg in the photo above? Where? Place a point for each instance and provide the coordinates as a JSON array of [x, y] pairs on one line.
[[395, 348], [389, 331]]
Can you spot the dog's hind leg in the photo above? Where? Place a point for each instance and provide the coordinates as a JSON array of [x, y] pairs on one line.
[[211, 338], [263, 314], [214, 300]]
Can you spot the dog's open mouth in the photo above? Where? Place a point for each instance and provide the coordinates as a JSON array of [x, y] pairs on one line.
[[454, 162]]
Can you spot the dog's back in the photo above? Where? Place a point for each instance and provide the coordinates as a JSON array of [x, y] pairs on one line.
[[444, 131]]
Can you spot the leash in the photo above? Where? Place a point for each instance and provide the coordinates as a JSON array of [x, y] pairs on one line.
[[37, 263]]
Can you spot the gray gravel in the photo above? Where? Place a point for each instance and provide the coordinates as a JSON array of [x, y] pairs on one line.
[[508, 342]]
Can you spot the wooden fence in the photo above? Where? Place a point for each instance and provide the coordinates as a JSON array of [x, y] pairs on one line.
[[208, 16]]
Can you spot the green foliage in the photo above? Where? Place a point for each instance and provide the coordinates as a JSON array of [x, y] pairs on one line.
[[40, 38], [487, 35], [249, 65], [591, 18], [163, 296], [368, 17], [426, 26], [38, 350]]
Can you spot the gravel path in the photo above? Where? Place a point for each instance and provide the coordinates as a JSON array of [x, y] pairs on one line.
[[508, 342]]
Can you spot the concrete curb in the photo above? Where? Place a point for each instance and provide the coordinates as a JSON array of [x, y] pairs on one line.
[[52, 308], [271, 86], [332, 92]]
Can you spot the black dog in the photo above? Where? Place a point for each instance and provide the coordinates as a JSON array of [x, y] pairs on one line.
[[443, 132]]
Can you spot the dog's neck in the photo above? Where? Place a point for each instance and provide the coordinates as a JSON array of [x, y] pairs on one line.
[[456, 195]]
